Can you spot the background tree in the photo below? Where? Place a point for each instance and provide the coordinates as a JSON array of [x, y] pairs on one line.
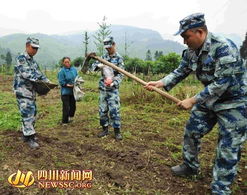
[[148, 67], [103, 32], [134, 65], [167, 63], [2, 65], [243, 48], [148, 56], [8, 59], [77, 61], [157, 54], [126, 45], [2, 57], [86, 42]]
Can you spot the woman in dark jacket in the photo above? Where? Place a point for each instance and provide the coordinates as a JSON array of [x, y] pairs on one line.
[[66, 77]]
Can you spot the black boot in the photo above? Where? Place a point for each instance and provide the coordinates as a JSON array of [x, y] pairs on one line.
[[183, 170], [31, 141], [104, 132], [118, 135], [25, 138]]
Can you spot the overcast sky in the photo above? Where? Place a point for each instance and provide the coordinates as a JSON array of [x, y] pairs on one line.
[[60, 16]]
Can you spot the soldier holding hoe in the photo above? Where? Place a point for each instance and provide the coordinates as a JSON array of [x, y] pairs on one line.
[[217, 64]]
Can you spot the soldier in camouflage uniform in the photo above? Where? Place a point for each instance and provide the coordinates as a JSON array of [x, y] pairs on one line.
[[27, 71], [109, 101], [217, 64]]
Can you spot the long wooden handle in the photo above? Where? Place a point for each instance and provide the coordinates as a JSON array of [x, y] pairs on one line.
[[163, 93]]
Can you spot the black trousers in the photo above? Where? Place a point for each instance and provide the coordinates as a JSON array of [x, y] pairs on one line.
[[69, 107]]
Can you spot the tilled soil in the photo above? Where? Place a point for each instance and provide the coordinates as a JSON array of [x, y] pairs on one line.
[[140, 164]]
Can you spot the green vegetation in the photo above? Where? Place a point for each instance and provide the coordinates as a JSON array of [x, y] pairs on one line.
[[9, 115], [163, 64]]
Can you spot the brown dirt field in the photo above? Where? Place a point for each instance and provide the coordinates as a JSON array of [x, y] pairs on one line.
[[140, 164]]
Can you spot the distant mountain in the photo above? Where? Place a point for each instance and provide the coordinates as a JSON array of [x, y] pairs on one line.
[[140, 40], [7, 31], [54, 47]]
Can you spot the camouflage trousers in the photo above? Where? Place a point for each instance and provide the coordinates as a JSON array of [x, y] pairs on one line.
[[109, 108], [232, 135], [28, 110]]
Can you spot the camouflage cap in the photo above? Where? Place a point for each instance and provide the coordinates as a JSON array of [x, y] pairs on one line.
[[33, 41], [108, 42], [191, 21]]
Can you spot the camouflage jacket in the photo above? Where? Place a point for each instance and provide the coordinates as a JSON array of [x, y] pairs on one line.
[[220, 69], [118, 61], [26, 72]]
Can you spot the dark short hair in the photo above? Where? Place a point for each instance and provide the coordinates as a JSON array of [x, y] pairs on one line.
[[64, 58]]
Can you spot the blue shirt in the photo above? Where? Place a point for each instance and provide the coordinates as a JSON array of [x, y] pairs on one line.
[[67, 76]]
